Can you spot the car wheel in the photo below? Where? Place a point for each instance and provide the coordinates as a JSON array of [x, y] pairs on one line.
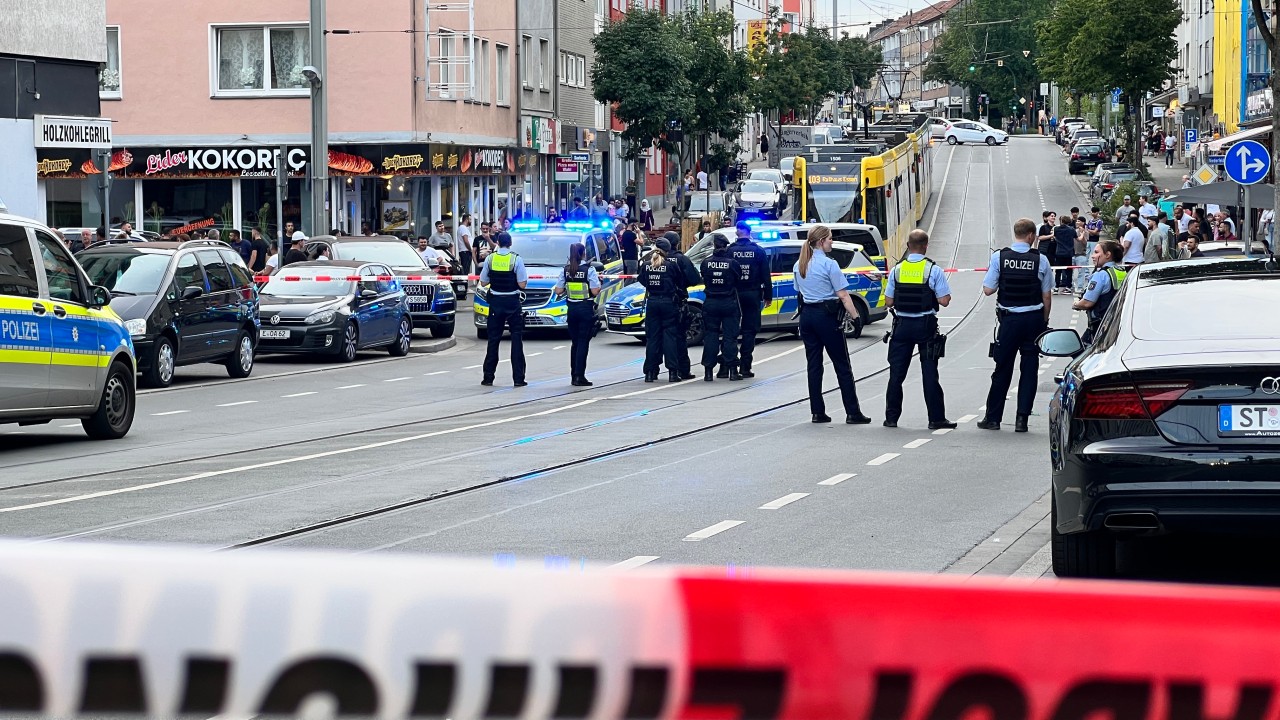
[[404, 337], [951, 140], [1081, 555], [114, 415], [693, 336], [442, 331], [852, 325], [991, 140], [162, 363], [350, 343], [240, 363]]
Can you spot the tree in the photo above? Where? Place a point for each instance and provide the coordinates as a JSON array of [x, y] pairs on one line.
[[720, 78], [786, 80]]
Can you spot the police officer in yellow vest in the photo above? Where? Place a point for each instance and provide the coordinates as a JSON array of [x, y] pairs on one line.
[[917, 288], [504, 277], [579, 284], [1103, 285]]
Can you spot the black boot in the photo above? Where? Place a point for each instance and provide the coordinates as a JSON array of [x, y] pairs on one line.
[[650, 377], [733, 373], [709, 375], [724, 371], [746, 372], [1020, 423], [674, 376], [985, 424]]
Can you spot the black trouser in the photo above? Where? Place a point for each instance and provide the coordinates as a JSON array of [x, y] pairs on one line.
[[464, 259], [820, 331], [749, 302], [1063, 276], [910, 333], [505, 312], [721, 317], [1017, 334], [582, 321], [661, 326], [682, 336]]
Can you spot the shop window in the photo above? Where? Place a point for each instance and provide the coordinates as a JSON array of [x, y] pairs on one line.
[[258, 61], [109, 87]]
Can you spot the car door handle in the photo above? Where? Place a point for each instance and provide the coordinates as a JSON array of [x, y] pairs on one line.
[[39, 308], [59, 311]]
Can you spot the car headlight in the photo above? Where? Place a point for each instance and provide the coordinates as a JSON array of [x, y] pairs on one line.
[[322, 316], [136, 327]]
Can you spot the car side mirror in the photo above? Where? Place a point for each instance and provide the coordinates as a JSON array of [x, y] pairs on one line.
[[1059, 343], [192, 292], [100, 295], [366, 294], [599, 266]]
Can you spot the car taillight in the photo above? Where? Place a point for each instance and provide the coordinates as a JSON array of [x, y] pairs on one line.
[[1127, 402], [1075, 156], [1109, 186]]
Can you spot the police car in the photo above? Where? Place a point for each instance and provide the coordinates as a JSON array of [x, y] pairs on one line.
[[63, 352], [544, 248], [624, 312]]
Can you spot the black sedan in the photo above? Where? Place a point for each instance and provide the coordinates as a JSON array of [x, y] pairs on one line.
[[1170, 421], [335, 308]]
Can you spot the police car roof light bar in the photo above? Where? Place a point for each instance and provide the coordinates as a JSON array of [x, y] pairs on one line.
[[526, 226], [579, 226]]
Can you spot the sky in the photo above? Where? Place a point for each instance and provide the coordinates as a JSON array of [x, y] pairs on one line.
[[863, 11]]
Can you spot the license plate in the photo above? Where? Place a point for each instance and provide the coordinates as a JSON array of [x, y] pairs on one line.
[[1249, 420], [529, 314], [275, 334]]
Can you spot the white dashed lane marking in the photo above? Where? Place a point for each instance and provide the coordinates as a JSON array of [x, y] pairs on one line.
[[349, 387], [942, 431], [837, 479], [438, 372], [301, 394], [966, 419], [716, 529], [397, 379], [171, 412], [916, 443], [783, 501], [883, 459], [634, 562]]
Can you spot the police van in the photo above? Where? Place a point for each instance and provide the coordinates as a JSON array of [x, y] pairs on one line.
[[781, 242], [63, 352], [544, 248]]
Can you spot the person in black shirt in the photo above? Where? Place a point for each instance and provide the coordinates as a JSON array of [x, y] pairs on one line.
[[662, 280], [258, 252], [1064, 242], [721, 315], [1044, 236], [296, 253], [630, 252]]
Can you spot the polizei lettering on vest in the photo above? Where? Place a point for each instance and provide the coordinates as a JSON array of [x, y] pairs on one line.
[[1019, 265]]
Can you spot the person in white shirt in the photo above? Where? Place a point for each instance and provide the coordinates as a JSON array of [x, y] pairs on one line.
[[462, 244], [429, 254], [1146, 209], [702, 179], [1134, 242], [1183, 217], [1267, 222]]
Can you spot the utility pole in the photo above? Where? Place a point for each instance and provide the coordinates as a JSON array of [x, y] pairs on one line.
[[319, 119]]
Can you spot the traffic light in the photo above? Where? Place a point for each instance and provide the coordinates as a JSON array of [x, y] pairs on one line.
[[972, 68]]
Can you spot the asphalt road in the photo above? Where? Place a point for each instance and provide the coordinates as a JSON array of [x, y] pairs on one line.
[[413, 455]]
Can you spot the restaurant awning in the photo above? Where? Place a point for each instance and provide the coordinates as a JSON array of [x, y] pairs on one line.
[[1218, 145], [1258, 197]]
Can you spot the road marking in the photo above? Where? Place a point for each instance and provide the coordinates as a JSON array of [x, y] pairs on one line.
[[634, 562], [471, 367], [438, 372], [171, 412], [716, 529], [348, 387], [883, 459], [561, 347], [916, 443], [966, 418], [242, 402], [301, 394], [397, 379], [639, 392], [942, 431], [783, 501], [289, 461], [533, 355], [837, 479], [775, 357]]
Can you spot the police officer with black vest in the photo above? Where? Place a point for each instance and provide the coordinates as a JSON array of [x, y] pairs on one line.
[[1022, 281], [503, 277], [721, 315], [754, 293], [579, 284], [917, 288], [670, 244], [662, 280]]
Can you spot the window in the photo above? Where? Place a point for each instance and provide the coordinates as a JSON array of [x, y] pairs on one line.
[[17, 267], [544, 64], [60, 271], [447, 74], [526, 61], [482, 79], [216, 268], [261, 60], [239, 273], [109, 74], [573, 70], [187, 274], [502, 59], [582, 71]]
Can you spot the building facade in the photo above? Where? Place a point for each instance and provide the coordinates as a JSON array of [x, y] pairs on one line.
[[905, 45], [539, 125]]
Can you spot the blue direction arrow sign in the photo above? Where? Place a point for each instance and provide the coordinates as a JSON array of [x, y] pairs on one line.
[[1247, 162]]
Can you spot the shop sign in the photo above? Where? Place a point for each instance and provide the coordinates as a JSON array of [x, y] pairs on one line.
[[397, 163], [1258, 104], [539, 133], [229, 162], [568, 170], [192, 227], [57, 131]]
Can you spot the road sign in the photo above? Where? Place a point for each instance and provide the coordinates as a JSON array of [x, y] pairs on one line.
[[1205, 175], [1217, 159], [580, 157], [1247, 162], [1115, 95], [568, 170], [1191, 136]]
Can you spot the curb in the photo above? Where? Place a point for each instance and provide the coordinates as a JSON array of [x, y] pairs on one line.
[[433, 346]]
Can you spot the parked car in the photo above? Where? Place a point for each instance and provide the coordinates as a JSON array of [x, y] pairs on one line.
[[1102, 167], [774, 176], [963, 131], [787, 168], [182, 303], [1086, 155], [324, 311], [938, 127], [1109, 181], [701, 202], [759, 198]]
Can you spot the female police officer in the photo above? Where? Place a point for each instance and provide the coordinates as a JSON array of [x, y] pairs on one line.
[[721, 316], [662, 280], [822, 288], [1103, 284], [579, 284]]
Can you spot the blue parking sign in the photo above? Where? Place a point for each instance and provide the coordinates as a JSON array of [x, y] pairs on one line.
[[1191, 136], [1247, 162]]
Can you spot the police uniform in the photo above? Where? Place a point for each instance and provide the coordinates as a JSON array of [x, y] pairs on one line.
[[820, 330], [915, 286], [1103, 285], [1021, 277], [691, 278], [754, 293], [662, 320], [721, 315], [576, 285], [503, 272]]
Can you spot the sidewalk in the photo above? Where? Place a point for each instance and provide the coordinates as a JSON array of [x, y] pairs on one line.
[[1166, 178]]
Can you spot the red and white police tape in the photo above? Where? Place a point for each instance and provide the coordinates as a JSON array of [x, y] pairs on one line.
[[414, 278], [92, 630]]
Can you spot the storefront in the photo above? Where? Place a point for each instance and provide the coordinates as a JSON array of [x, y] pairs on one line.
[[399, 189], [539, 135]]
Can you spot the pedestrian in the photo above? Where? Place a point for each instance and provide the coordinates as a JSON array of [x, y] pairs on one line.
[[917, 288], [441, 239], [662, 280], [503, 277], [1135, 238], [483, 245], [822, 290], [1022, 281], [1190, 248], [579, 284], [755, 292], [1064, 245], [1159, 242], [1044, 236], [1182, 219], [289, 229], [629, 245], [702, 179], [764, 144], [296, 252], [258, 251], [273, 259], [578, 211], [670, 244], [705, 230], [621, 211], [1186, 182], [463, 246], [240, 245], [645, 216], [1123, 212], [599, 211], [1080, 255], [1223, 234], [1170, 145], [553, 217], [432, 257], [1103, 285], [365, 229], [721, 315], [1146, 209], [1267, 222]]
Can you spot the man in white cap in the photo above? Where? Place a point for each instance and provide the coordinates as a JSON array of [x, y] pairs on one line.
[[1123, 212], [296, 252]]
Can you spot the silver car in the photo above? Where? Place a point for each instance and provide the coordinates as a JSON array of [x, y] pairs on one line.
[[759, 198]]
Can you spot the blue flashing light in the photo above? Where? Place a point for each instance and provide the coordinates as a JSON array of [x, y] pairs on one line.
[[526, 226], [768, 235], [607, 224], [752, 221], [578, 226]]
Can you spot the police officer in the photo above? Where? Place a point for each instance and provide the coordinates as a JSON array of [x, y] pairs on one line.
[[662, 280], [917, 288], [823, 290], [579, 284], [721, 315], [1022, 281], [504, 276], [754, 293], [670, 244], [1103, 285]]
